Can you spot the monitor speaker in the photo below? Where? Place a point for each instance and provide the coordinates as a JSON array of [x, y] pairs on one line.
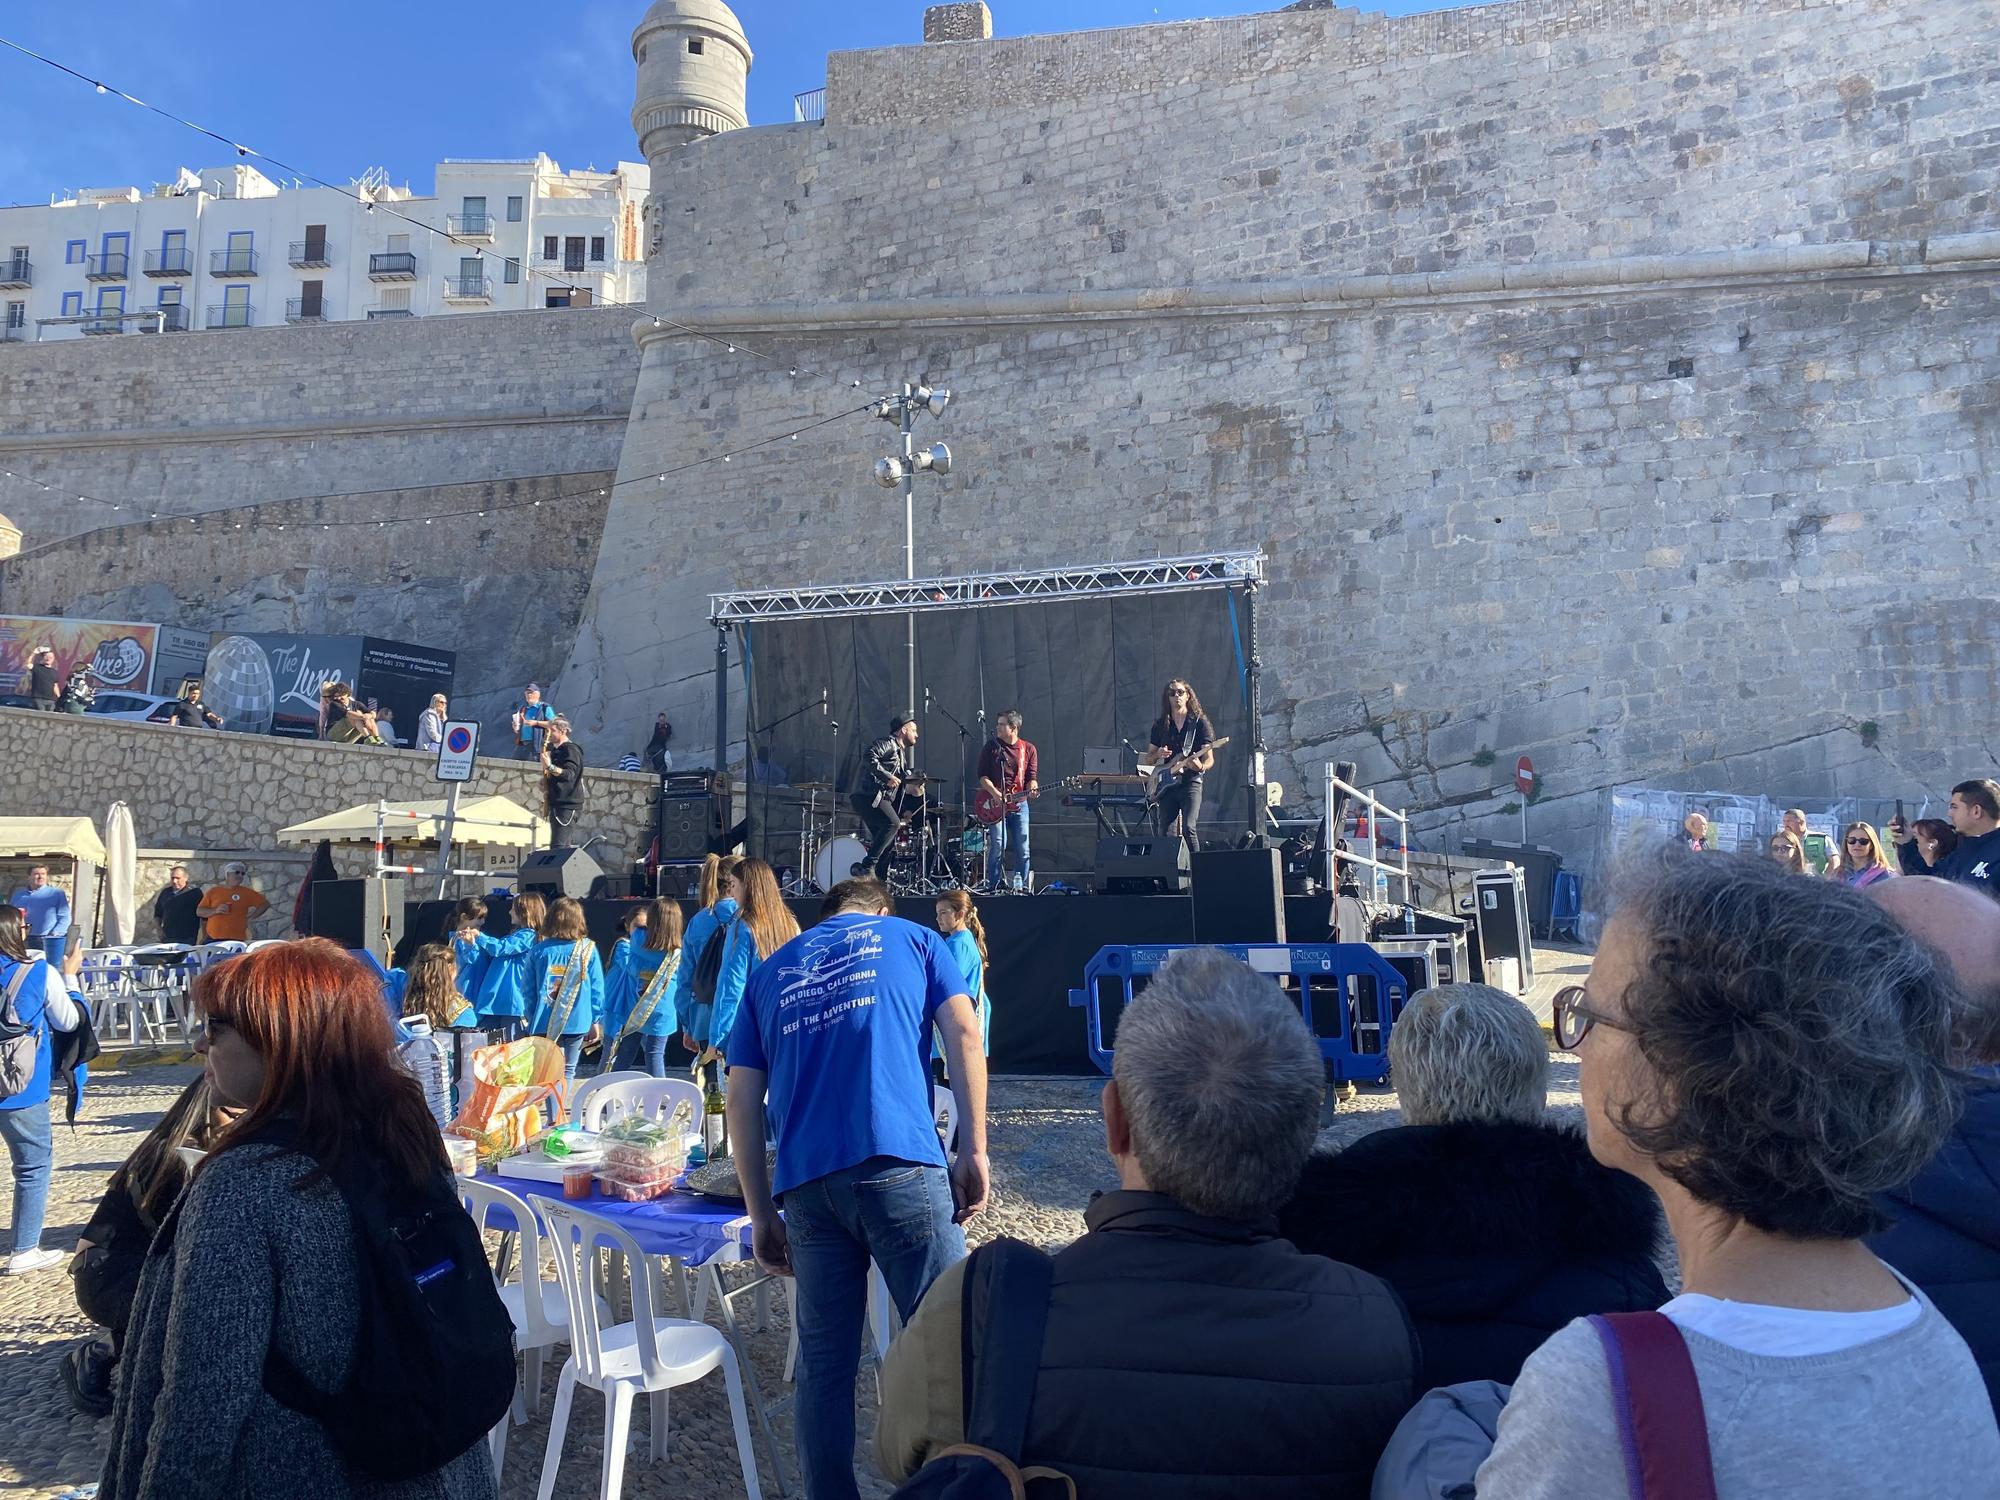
[[360, 913], [1142, 865], [686, 824], [558, 872], [1239, 896], [682, 880]]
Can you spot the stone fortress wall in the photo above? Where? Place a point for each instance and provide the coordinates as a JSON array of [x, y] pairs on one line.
[[205, 798], [1613, 382], [249, 442]]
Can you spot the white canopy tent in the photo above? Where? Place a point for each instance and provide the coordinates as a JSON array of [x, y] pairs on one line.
[[494, 822]]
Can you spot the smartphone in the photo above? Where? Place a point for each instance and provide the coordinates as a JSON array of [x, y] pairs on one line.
[[1899, 809]]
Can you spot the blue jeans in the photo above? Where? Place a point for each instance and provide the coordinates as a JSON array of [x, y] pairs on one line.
[[29, 1141], [641, 1051], [53, 949], [1007, 842], [886, 1210]]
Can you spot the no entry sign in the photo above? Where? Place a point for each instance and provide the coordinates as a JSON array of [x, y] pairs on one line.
[[456, 750], [1524, 776]]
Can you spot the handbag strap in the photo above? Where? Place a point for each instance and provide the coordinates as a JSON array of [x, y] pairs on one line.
[[1004, 1309], [20, 977], [1662, 1426]]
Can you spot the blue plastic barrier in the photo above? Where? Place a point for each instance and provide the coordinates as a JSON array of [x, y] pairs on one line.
[[1348, 993]]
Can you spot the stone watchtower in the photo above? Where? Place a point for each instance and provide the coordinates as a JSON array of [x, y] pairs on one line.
[[694, 75]]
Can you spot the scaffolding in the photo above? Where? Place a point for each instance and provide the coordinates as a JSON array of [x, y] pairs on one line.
[[1377, 813]]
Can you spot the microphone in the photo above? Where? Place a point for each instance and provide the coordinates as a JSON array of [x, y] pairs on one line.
[[822, 703]]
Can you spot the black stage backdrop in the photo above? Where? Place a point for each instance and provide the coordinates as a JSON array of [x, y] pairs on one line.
[[1082, 673], [1038, 947]]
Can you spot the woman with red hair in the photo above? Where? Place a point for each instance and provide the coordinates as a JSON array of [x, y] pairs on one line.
[[259, 1257]]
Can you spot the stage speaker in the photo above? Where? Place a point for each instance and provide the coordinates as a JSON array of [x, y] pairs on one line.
[[558, 872], [1142, 865], [686, 823], [1500, 917], [681, 881], [360, 913], [1239, 896]]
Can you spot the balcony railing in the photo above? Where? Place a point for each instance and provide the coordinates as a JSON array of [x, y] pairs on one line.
[[175, 317], [230, 315], [309, 253], [232, 263], [569, 265], [113, 267], [103, 323], [811, 105], [469, 226], [468, 289], [170, 262], [392, 265], [17, 273], [389, 312], [305, 310]]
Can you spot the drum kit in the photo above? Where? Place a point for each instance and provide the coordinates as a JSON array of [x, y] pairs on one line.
[[930, 853]]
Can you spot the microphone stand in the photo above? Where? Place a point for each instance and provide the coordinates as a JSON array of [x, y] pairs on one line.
[[964, 771], [764, 781]]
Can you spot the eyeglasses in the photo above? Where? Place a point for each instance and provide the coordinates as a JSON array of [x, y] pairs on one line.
[[1574, 1017], [1860, 843]]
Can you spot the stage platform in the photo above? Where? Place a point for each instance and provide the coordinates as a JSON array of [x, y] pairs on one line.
[[1038, 946]]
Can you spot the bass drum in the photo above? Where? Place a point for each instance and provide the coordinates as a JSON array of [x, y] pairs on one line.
[[837, 858]]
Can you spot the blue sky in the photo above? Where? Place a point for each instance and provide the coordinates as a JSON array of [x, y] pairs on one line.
[[337, 90]]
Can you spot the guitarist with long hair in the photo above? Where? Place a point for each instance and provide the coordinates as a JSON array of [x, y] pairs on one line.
[[1180, 749]]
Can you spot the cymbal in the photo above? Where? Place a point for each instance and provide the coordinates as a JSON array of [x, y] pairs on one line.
[[812, 786]]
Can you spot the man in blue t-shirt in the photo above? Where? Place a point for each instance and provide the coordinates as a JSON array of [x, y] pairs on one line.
[[832, 1040], [47, 906]]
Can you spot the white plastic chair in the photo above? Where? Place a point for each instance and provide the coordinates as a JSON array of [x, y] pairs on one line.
[[264, 943], [645, 1096], [190, 1156], [649, 1355], [208, 955], [537, 1307], [587, 1087]]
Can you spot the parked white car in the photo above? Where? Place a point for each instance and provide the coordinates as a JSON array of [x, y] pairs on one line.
[[112, 703]]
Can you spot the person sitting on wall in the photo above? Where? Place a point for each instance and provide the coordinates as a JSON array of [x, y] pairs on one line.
[[347, 723], [1504, 1227]]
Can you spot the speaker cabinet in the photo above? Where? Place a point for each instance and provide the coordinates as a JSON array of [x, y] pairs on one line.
[[1500, 917], [1239, 896], [686, 824], [682, 880], [366, 914], [558, 872], [1144, 864]]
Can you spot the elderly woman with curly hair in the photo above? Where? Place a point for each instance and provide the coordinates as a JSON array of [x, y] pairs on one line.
[[1767, 1054]]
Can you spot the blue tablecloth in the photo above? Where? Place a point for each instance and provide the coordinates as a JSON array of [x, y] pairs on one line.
[[688, 1226]]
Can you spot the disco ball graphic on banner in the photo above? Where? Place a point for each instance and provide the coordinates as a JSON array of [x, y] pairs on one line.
[[237, 684]]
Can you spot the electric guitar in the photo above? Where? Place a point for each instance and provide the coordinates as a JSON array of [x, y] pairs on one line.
[[1167, 774], [990, 809]]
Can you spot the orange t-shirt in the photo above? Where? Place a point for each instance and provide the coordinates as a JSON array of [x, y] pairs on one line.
[[240, 903]]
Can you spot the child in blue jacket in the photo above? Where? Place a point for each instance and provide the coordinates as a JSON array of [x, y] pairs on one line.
[[565, 983]]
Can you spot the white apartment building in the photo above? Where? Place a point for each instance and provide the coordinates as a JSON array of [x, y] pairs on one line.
[[228, 248]]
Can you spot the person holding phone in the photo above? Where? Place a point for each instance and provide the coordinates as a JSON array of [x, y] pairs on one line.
[[1975, 859]]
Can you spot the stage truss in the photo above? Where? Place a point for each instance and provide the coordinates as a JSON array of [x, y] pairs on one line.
[[903, 596]]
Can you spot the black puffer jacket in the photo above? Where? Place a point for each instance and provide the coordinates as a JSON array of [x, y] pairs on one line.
[[1494, 1236], [1190, 1358]]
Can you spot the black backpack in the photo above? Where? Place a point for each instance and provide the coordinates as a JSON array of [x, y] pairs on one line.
[[433, 1368], [708, 968], [1003, 1310]]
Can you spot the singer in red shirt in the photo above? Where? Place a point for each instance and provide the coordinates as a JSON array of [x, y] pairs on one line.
[[1008, 771]]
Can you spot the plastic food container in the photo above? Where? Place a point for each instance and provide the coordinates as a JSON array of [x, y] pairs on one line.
[[464, 1155], [576, 1181], [634, 1184], [636, 1147]]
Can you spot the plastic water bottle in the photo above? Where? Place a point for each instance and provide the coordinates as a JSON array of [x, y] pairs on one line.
[[1381, 886]]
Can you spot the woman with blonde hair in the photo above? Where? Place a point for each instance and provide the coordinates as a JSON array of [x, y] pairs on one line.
[[965, 936], [1862, 858], [641, 1029], [718, 910], [432, 1007], [566, 983], [763, 924]]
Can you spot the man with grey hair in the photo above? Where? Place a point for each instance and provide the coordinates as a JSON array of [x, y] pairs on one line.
[[1503, 1227], [1946, 1235], [1176, 1320], [562, 782]]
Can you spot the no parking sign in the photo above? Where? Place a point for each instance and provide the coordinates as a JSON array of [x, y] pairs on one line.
[[457, 749]]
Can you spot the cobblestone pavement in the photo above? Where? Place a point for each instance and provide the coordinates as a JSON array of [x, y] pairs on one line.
[[1048, 1150]]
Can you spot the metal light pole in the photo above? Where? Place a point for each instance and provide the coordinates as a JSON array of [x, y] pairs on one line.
[[902, 470]]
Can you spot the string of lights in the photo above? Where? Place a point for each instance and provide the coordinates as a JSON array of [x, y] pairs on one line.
[[727, 342], [234, 518]]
